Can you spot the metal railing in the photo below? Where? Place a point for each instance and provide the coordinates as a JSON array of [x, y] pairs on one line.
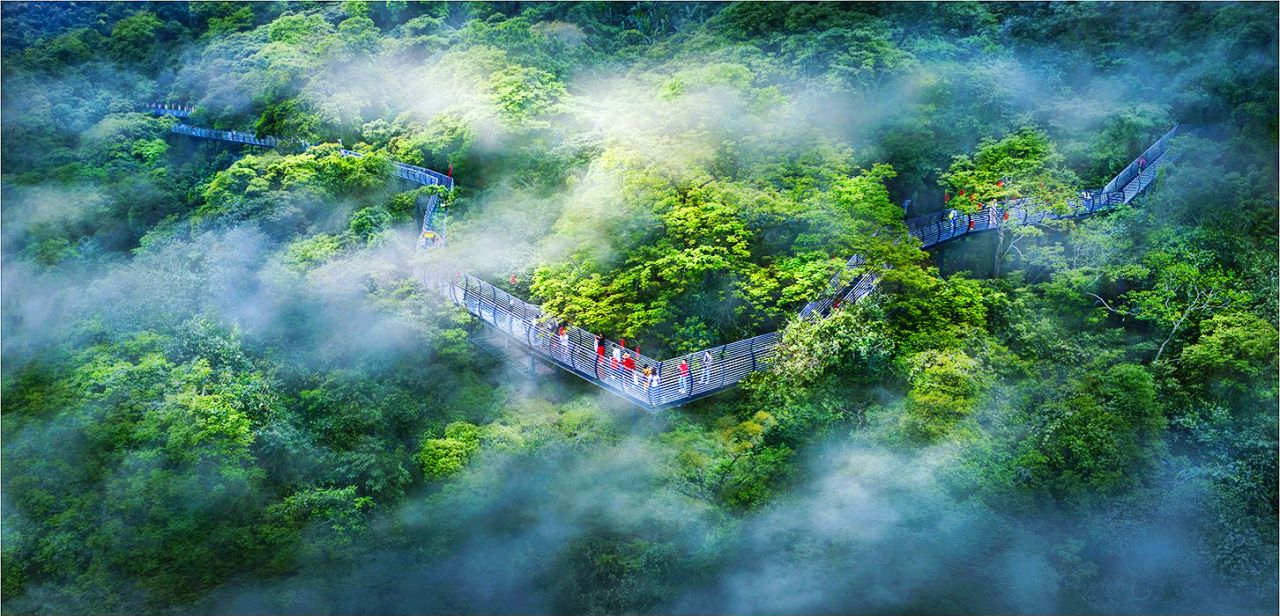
[[428, 223], [423, 177], [418, 175], [934, 229], [232, 136], [412, 173], [536, 331], [177, 111], [1135, 168]]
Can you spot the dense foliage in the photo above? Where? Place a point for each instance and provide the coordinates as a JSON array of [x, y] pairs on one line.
[[223, 390]]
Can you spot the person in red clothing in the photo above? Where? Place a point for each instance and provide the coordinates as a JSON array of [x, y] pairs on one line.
[[684, 376], [629, 364], [599, 354]]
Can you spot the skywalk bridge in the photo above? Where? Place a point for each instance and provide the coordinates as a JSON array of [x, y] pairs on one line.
[[534, 330], [934, 229], [411, 173], [177, 111]]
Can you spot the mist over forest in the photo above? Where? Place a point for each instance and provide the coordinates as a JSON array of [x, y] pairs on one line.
[[225, 390]]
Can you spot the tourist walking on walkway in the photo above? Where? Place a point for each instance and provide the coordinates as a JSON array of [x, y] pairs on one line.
[[655, 380], [684, 376], [706, 367], [564, 341], [651, 380], [629, 364], [616, 364], [599, 354]]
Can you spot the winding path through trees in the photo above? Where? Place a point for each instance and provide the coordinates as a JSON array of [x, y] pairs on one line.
[[533, 329]]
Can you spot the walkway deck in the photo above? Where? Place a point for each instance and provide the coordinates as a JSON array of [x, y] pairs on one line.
[[529, 327]]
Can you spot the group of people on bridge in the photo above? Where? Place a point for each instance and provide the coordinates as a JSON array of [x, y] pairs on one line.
[[992, 211], [618, 367], [162, 107], [611, 364], [953, 216]]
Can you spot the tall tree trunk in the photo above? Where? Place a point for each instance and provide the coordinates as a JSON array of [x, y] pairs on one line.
[[1173, 332]]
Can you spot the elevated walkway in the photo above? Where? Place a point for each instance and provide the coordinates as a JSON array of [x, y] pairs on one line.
[[533, 331], [935, 229]]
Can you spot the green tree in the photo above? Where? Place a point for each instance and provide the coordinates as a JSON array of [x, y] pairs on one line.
[[1177, 291], [1100, 434], [1024, 164], [444, 457], [133, 37], [945, 389], [1233, 352], [522, 94]]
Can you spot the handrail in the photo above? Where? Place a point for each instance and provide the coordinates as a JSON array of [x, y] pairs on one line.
[[933, 229], [412, 173], [164, 109], [535, 330], [1152, 153], [225, 135]]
